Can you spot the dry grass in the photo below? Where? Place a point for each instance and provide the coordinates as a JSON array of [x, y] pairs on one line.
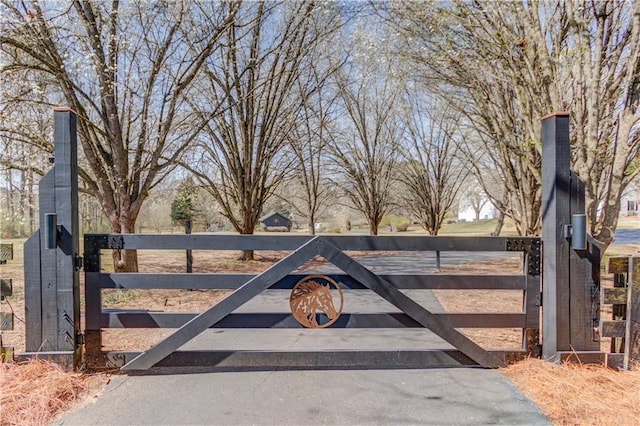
[[574, 394], [35, 392]]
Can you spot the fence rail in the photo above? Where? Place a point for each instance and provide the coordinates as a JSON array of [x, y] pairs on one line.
[[291, 242], [96, 280]]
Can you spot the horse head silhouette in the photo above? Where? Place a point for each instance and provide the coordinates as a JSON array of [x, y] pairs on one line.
[[310, 297]]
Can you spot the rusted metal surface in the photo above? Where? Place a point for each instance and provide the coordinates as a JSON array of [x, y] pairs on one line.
[[313, 294]]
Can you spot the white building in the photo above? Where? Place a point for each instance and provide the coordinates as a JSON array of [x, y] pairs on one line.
[[466, 212], [629, 203]]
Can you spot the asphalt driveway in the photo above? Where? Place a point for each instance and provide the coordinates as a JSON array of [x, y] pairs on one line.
[[439, 396]]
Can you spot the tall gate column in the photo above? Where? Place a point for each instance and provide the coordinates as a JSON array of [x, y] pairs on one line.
[[571, 277], [52, 262]]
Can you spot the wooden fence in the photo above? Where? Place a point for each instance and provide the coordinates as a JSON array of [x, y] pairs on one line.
[[624, 297]]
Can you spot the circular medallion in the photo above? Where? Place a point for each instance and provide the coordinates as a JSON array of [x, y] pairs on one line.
[[313, 301]]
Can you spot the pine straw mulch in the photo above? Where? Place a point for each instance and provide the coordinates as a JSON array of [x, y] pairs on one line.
[[575, 394], [35, 392]]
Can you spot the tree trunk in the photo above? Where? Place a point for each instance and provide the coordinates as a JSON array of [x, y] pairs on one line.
[[124, 260], [496, 232], [247, 254], [373, 227], [312, 226]]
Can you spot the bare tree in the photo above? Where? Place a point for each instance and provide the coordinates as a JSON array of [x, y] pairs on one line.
[[512, 63], [24, 131], [603, 82], [256, 76], [125, 69], [475, 196], [462, 66], [432, 171], [309, 139], [367, 149]]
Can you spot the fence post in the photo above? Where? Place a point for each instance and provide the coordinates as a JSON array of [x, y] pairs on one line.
[[632, 330], [52, 292], [571, 278], [555, 212]]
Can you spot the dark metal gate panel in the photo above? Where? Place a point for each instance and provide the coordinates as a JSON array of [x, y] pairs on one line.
[[440, 281], [220, 310], [414, 314], [409, 306]]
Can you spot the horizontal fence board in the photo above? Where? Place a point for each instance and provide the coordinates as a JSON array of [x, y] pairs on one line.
[[582, 357], [291, 242], [418, 243], [614, 328], [618, 265], [204, 242], [149, 319], [347, 359], [6, 252], [247, 360], [6, 320], [233, 281], [166, 281], [613, 296]]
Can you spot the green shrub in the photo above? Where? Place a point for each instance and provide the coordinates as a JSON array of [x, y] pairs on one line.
[[398, 223], [401, 227]]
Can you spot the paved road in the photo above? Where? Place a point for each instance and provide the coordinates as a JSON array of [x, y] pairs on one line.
[[374, 397], [627, 236]]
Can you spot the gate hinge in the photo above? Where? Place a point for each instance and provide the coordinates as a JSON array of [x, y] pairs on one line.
[[531, 247], [539, 299], [79, 338]]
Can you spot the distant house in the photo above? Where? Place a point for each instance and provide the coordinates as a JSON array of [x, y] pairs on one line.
[[630, 203], [466, 212], [276, 221]]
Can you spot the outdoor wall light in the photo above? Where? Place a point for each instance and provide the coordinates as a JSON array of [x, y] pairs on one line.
[[577, 231]]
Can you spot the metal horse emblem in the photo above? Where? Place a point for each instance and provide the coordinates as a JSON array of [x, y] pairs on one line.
[[310, 296]]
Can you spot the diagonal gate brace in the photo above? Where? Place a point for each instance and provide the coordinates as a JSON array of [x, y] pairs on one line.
[[211, 316], [416, 311]]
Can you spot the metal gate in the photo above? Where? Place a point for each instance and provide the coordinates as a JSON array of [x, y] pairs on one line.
[[571, 270], [459, 350]]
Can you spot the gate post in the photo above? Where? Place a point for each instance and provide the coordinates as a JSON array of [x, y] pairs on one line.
[[571, 277], [52, 291]]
